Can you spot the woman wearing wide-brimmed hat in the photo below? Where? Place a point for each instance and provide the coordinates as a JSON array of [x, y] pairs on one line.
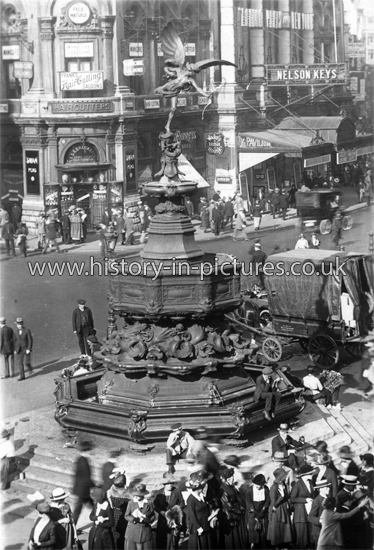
[[280, 530], [100, 536], [302, 498], [43, 533], [139, 516], [118, 498], [62, 517], [232, 517], [168, 531], [257, 505], [198, 513]]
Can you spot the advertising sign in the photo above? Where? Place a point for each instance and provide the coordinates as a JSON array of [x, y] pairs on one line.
[[130, 169], [136, 49], [79, 49], [190, 49], [85, 107], [151, 104], [32, 172], [92, 80], [356, 49], [215, 143], [133, 67], [79, 13], [346, 156], [318, 73], [23, 69], [10, 52]]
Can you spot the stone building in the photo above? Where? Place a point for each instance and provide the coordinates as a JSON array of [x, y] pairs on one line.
[[80, 119]]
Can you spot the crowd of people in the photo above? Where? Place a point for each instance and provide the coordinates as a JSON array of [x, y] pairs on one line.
[[306, 502]]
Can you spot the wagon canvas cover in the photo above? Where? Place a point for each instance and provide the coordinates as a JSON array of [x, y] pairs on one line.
[[316, 297]]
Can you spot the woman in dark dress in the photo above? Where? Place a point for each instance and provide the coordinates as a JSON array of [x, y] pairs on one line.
[[118, 498], [232, 516], [204, 215], [280, 531], [100, 536], [169, 526], [63, 519], [43, 534], [302, 498], [257, 504], [198, 512]]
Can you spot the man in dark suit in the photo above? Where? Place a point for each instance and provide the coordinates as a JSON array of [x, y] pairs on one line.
[[323, 487], [83, 326], [285, 444], [6, 349], [22, 346], [65, 227], [266, 388]]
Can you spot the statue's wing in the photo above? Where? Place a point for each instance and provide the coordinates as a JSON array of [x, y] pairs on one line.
[[205, 63], [172, 46]]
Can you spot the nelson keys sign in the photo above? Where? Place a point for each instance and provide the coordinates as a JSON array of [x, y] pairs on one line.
[[318, 73]]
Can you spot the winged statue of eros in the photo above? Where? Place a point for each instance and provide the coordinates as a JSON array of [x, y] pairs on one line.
[[179, 72]]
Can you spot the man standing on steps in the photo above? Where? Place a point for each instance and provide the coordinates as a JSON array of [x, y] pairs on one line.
[[83, 326], [267, 389]]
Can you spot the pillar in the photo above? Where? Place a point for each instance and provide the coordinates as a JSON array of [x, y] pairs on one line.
[[107, 23], [46, 54], [257, 45], [284, 41], [308, 47]]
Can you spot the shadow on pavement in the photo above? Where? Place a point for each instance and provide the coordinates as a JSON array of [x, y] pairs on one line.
[[51, 366]]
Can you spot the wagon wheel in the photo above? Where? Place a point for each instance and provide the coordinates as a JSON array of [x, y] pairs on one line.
[[354, 349], [272, 349], [347, 223], [303, 343], [323, 351], [265, 318], [325, 227]]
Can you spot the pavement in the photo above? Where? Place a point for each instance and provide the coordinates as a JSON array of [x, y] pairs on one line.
[[268, 223]]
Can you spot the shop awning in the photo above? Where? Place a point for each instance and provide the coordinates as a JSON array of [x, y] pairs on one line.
[[190, 173], [333, 129], [247, 160], [272, 141]]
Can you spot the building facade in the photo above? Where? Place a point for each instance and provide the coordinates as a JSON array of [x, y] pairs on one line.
[[80, 119]]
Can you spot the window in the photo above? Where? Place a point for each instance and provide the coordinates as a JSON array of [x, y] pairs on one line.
[[79, 65]]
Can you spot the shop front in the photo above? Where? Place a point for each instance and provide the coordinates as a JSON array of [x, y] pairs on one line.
[[269, 159], [11, 176], [84, 181]]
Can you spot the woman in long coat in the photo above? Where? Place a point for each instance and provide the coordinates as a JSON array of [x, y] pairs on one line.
[[118, 499], [204, 216], [257, 505], [139, 514], [198, 512], [280, 526], [100, 535], [302, 498], [331, 537], [169, 525], [44, 530], [231, 519]]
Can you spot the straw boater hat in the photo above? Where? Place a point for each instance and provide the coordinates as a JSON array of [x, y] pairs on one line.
[[345, 452], [322, 483], [349, 480], [58, 494], [279, 457], [305, 470]]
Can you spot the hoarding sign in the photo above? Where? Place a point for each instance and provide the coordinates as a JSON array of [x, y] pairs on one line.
[[133, 67], [79, 49], [90, 80], [23, 69], [79, 13], [356, 49], [10, 52], [32, 172], [318, 73], [136, 49]]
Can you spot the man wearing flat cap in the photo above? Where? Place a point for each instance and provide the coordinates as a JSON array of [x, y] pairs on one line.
[[83, 326], [266, 388], [178, 444], [23, 347], [6, 349]]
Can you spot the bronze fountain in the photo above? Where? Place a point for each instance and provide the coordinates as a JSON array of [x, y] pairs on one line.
[[170, 354]]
